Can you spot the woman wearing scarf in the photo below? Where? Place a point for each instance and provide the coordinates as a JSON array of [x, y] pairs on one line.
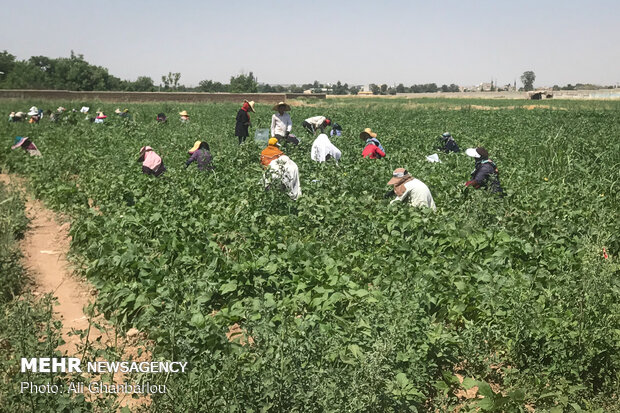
[[26, 144], [200, 153], [485, 174], [271, 152], [373, 148], [285, 171], [323, 149], [151, 162], [409, 189], [243, 121]]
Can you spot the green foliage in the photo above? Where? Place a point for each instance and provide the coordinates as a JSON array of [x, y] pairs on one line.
[[354, 304], [528, 78]]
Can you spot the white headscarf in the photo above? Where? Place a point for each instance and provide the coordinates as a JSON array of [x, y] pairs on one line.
[[322, 147]]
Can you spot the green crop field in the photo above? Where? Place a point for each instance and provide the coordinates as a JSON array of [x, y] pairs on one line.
[[353, 304]]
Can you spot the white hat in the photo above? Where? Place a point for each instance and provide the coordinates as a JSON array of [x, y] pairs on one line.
[[472, 152], [33, 111], [84, 109]]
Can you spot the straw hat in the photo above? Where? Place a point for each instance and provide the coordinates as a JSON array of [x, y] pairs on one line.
[[398, 175], [19, 114], [184, 113], [195, 147], [117, 111], [60, 109], [251, 103], [11, 114], [368, 133], [286, 106]]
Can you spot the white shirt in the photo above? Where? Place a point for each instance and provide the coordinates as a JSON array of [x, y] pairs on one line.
[[417, 194], [316, 121], [280, 124], [322, 147], [286, 171]]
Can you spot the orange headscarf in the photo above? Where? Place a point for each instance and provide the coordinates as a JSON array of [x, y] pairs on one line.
[[269, 154]]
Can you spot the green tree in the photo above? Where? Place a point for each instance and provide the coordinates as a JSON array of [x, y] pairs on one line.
[[374, 89], [384, 89], [244, 83], [400, 88], [527, 78]]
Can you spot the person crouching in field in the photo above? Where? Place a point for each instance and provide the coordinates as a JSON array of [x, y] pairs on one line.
[[336, 130], [151, 162], [184, 116], [447, 144], [409, 189], [485, 174], [27, 145], [323, 149], [373, 148], [200, 153], [280, 168], [161, 118], [316, 123], [243, 121]]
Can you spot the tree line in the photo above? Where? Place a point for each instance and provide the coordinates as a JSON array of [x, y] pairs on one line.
[[75, 73]]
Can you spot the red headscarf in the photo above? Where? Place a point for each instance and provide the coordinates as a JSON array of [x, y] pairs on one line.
[[246, 107]]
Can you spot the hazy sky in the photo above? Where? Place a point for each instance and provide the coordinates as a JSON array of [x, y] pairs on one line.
[[359, 42]]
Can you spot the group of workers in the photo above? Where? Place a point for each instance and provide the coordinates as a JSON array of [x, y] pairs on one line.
[[283, 170]]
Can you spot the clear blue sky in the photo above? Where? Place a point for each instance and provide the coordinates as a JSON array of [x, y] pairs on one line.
[[359, 42]]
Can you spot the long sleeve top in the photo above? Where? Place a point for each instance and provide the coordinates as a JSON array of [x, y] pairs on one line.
[[485, 175], [242, 124], [373, 152], [202, 158], [417, 194], [316, 121], [280, 124]]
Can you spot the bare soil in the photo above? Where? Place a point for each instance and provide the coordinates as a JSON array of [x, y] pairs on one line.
[[45, 247]]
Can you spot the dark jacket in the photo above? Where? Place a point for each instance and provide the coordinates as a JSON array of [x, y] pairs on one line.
[[448, 145], [486, 175], [242, 125]]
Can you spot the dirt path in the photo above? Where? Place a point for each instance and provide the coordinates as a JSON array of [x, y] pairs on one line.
[[45, 247]]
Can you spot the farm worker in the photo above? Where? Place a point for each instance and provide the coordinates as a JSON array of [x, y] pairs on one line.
[[200, 153], [323, 149], [316, 122], [184, 116], [34, 115], [485, 174], [161, 117], [243, 121], [410, 189], [123, 113], [284, 170], [14, 118], [336, 130], [26, 144], [373, 148], [151, 162], [19, 116], [271, 152], [370, 136], [447, 143], [56, 115], [281, 123], [100, 117]]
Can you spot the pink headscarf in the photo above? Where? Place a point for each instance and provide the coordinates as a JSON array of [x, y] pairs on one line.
[[151, 159]]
